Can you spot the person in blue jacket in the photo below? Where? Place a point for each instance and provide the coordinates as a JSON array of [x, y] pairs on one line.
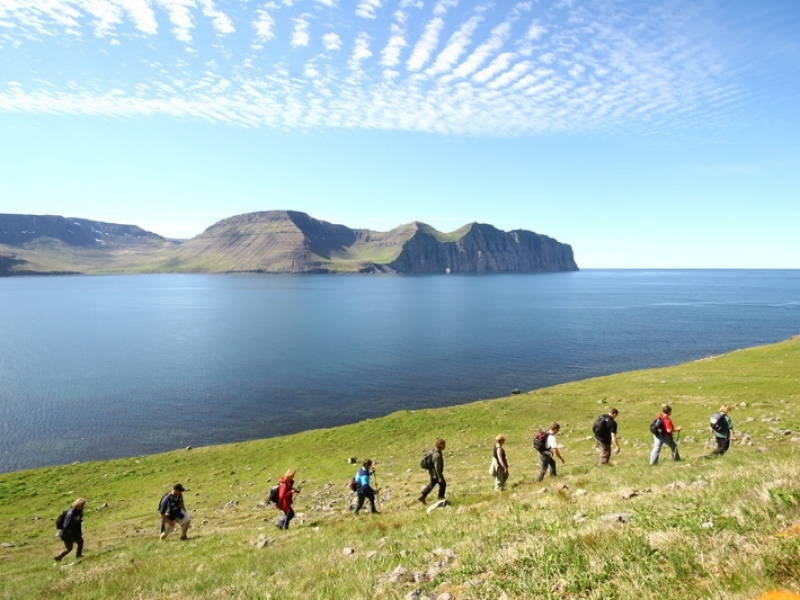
[[363, 488]]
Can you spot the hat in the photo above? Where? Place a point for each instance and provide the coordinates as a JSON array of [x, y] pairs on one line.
[[179, 487]]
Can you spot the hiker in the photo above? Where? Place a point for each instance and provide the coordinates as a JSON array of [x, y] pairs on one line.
[[605, 434], [286, 492], [71, 533], [436, 473], [722, 428], [173, 512], [549, 448], [663, 429], [363, 487], [499, 464]]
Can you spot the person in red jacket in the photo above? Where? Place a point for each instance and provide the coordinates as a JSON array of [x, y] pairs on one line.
[[663, 436], [286, 492]]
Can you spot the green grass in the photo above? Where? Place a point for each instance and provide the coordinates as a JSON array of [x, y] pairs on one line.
[[701, 528]]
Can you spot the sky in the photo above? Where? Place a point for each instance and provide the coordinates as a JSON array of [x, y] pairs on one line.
[[659, 134]]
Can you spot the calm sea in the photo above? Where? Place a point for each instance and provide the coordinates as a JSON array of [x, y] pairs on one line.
[[104, 367]]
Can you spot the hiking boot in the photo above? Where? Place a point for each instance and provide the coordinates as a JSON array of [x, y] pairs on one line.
[[375, 512], [422, 499], [184, 538]]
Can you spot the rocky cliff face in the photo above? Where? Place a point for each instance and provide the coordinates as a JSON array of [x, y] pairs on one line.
[[483, 249], [273, 242]]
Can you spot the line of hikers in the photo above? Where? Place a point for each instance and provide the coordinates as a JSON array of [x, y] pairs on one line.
[[173, 513], [604, 428]]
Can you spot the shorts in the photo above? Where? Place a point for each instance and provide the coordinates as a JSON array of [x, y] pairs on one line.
[[167, 527]]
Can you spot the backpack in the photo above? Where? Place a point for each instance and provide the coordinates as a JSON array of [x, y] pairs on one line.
[[600, 427], [352, 484], [272, 495], [657, 426], [60, 520], [427, 461], [717, 422], [540, 440]]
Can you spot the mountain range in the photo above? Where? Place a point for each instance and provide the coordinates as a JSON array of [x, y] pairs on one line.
[[281, 241]]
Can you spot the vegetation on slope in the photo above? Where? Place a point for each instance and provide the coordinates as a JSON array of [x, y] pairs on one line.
[[702, 528]]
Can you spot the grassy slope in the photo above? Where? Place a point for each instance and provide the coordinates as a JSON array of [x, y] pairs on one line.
[[703, 528]]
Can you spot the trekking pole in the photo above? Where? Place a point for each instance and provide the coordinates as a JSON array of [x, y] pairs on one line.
[[375, 479]]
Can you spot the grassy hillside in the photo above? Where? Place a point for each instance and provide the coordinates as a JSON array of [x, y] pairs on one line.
[[702, 528]]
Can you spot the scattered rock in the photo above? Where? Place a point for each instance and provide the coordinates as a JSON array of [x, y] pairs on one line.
[[438, 505], [230, 505], [616, 518], [399, 574], [420, 595], [262, 542], [347, 551], [515, 391], [7, 545], [627, 494], [352, 460]]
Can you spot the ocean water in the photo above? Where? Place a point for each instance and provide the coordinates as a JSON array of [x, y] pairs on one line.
[[104, 367]]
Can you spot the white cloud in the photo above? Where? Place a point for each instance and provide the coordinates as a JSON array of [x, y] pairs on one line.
[[367, 8], [331, 41], [361, 51], [511, 75], [264, 25], [390, 55], [456, 46], [535, 32], [497, 39], [498, 65], [300, 35], [592, 66], [426, 44], [181, 18], [220, 21]]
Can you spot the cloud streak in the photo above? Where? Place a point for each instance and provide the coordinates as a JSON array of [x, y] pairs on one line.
[[481, 68]]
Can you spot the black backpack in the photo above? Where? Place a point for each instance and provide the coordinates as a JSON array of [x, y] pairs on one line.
[[717, 422], [427, 461], [60, 520], [657, 426], [353, 484], [600, 427], [272, 495], [540, 440]]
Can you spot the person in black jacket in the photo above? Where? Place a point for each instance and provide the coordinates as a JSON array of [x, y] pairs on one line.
[[71, 533]]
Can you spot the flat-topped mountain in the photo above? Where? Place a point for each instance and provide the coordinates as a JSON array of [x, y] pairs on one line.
[[273, 242]]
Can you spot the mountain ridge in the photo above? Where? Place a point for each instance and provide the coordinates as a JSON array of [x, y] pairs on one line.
[[276, 241]]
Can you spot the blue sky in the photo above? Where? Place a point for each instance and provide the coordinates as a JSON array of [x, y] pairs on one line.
[[659, 134]]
